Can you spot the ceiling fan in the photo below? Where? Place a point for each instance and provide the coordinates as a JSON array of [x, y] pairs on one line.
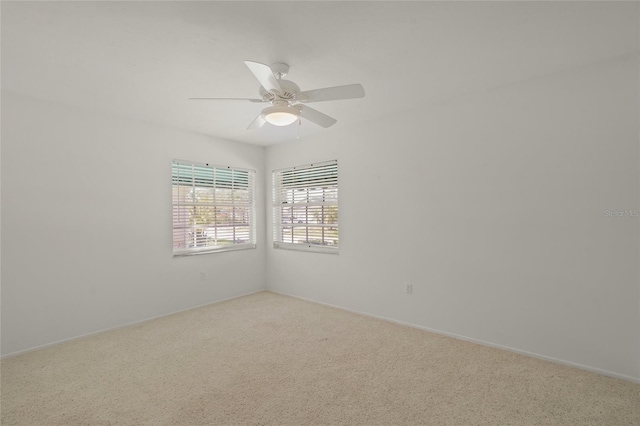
[[288, 103]]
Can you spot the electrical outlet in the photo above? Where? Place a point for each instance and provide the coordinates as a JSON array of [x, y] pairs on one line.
[[203, 276], [408, 288]]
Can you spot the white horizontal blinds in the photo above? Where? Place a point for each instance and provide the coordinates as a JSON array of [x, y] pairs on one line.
[[306, 205], [213, 207]]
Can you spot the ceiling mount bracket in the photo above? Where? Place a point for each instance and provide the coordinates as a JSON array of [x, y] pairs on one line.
[[280, 69]]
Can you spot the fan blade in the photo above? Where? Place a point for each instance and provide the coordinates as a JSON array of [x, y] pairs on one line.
[[264, 75], [350, 91], [316, 116], [257, 123], [227, 99]]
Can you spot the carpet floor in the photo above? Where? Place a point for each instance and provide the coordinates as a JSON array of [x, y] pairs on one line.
[[268, 359]]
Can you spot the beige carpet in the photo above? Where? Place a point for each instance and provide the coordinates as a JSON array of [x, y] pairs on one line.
[[267, 359]]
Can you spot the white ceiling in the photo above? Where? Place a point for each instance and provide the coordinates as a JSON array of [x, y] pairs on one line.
[[144, 59]]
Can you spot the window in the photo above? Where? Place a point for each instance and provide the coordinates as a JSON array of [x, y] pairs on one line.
[[213, 208], [305, 207]]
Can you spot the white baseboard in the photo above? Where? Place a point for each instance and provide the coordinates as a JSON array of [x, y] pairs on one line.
[[118, 327], [472, 340]]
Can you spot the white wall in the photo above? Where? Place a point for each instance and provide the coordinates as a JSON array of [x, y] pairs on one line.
[[493, 207], [86, 224]]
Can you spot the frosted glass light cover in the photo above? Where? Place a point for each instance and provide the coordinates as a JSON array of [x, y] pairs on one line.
[[281, 118]]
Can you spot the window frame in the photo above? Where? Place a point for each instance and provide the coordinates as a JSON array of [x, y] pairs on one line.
[[250, 205], [278, 206]]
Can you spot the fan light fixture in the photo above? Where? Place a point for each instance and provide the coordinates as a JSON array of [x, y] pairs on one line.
[[280, 115]]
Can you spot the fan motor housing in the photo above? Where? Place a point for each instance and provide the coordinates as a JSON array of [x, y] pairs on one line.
[[289, 93]]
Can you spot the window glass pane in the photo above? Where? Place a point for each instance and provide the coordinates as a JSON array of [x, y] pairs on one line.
[[306, 205], [213, 207]]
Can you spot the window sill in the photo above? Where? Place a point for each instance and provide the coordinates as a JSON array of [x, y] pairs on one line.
[[305, 247], [210, 250]]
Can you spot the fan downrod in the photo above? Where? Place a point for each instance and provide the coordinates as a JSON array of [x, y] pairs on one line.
[[280, 69]]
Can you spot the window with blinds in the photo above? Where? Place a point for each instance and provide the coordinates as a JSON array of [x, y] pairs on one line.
[[213, 208], [305, 204]]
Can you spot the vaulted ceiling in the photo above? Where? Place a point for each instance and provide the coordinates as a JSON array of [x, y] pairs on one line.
[[145, 59]]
